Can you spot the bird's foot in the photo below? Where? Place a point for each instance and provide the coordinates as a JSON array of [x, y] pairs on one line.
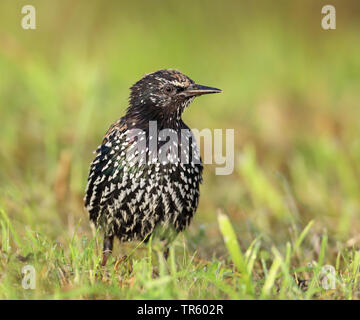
[[120, 261], [106, 255]]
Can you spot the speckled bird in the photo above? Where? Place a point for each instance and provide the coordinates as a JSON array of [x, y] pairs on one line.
[[132, 192]]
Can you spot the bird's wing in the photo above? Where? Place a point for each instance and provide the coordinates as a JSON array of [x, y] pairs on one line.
[[107, 171]]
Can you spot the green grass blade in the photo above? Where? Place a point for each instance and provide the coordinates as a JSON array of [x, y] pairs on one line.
[[234, 249]]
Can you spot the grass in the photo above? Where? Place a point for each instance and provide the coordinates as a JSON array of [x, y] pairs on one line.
[[71, 270], [269, 230]]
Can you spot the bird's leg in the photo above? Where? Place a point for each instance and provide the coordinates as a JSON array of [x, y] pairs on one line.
[[107, 249], [165, 243], [166, 253]]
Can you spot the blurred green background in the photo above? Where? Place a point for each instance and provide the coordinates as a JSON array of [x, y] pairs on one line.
[[290, 91]]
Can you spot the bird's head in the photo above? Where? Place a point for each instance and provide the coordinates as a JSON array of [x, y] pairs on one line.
[[163, 95]]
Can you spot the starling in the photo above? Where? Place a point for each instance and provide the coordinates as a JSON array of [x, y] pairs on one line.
[[140, 183]]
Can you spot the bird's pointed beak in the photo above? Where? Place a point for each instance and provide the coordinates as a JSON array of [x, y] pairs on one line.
[[198, 90]]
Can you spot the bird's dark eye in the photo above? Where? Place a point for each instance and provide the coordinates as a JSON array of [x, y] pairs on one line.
[[169, 88]]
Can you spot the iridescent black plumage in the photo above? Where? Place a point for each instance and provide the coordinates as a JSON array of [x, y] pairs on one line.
[[132, 193]]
